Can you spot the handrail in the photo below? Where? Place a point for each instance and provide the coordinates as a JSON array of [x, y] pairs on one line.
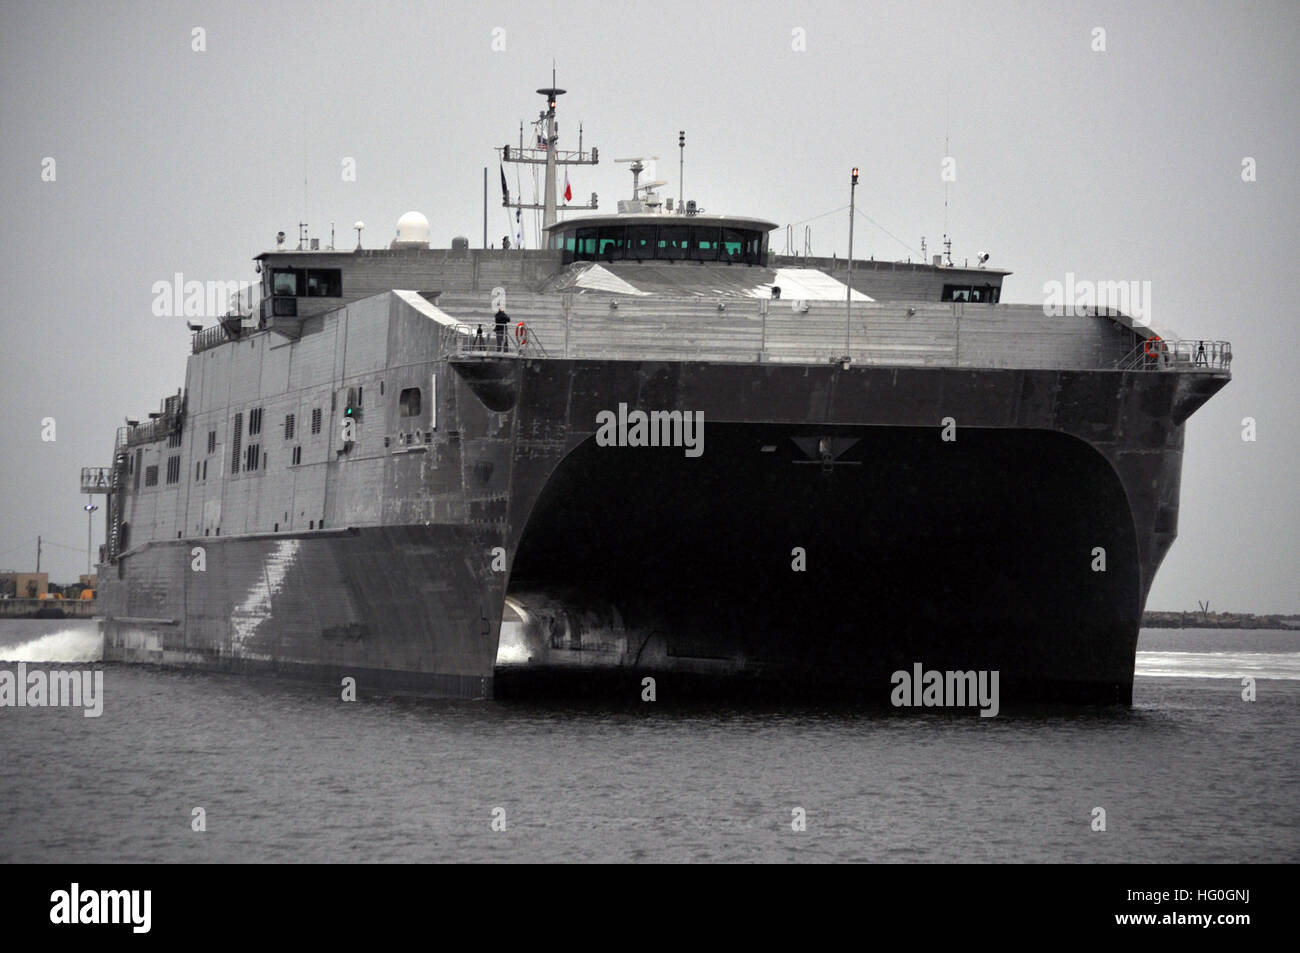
[[1159, 354], [96, 479], [154, 430], [209, 337], [462, 339]]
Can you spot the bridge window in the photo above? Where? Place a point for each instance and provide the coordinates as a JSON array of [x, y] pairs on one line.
[[609, 241], [315, 420], [641, 241], [704, 244], [284, 281], [409, 401], [151, 476], [733, 245], [586, 246], [174, 468], [673, 242], [307, 282], [324, 283], [986, 294]]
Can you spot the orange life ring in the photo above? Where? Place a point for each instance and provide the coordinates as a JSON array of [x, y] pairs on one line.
[[1154, 339], [521, 333]]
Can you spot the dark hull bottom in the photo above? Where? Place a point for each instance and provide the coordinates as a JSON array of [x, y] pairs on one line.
[[627, 686], [793, 576]]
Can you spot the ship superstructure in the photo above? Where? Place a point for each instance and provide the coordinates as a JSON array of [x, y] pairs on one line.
[[361, 477]]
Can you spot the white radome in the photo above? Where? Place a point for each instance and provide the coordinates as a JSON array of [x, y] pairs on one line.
[[413, 229]]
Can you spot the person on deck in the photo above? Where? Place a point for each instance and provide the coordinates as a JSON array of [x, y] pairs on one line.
[[502, 320]]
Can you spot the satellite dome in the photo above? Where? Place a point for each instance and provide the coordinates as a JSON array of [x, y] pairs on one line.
[[412, 231]]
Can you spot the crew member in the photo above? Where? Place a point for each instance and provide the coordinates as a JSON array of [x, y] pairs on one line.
[[502, 320]]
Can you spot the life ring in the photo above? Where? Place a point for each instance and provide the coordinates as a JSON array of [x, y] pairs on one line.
[[1159, 346], [521, 333]]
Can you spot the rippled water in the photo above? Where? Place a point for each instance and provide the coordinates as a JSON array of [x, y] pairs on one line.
[[285, 771]]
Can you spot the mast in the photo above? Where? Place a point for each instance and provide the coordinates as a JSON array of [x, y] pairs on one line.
[[551, 94], [547, 153]]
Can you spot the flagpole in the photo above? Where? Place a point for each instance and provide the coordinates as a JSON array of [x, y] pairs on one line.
[[485, 206], [848, 297]]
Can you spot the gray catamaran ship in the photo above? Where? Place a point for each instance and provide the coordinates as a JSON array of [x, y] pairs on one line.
[[684, 456]]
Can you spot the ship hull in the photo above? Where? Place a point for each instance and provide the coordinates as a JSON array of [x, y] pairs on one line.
[[839, 525], [397, 609]]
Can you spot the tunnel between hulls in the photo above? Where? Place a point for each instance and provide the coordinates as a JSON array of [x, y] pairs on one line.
[[973, 554]]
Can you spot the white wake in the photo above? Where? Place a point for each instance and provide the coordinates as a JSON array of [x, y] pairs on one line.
[[69, 645]]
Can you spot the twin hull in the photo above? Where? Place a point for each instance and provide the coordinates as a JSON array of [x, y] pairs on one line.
[[827, 536]]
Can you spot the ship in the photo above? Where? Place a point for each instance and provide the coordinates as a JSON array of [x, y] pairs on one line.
[[650, 448]]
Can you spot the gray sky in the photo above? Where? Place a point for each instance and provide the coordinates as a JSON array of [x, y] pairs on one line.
[[1116, 165]]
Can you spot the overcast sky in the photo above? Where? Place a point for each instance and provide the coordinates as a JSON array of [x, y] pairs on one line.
[[1117, 165]]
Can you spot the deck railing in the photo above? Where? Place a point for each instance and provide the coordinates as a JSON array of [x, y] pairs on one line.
[[517, 340], [96, 479], [209, 337], [1158, 354]]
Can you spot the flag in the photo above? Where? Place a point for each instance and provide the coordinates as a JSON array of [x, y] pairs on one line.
[[568, 192], [505, 189]]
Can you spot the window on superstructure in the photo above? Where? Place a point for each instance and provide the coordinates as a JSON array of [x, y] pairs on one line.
[[151, 476], [255, 421], [252, 456], [174, 439], [673, 241], [288, 427], [284, 281], [733, 245], [212, 441], [609, 242], [315, 420], [408, 401], [641, 241], [324, 283], [297, 456], [704, 244], [985, 294], [236, 437], [174, 468], [135, 483], [198, 469]]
